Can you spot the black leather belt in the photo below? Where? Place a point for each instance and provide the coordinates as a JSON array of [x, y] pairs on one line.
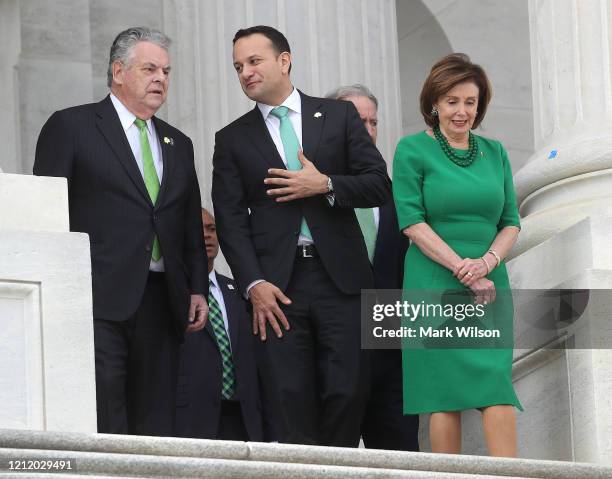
[[307, 251]]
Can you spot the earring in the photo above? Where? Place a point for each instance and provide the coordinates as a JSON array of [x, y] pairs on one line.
[[434, 111]]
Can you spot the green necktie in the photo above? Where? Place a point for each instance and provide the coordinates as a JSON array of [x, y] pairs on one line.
[[150, 176], [291, 145], [228, 382], [365, 216]]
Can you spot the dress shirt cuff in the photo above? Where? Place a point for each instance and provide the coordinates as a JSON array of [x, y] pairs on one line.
[[247, 293]]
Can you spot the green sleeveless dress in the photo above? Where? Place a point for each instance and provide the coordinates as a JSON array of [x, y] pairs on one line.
[[466, 207]]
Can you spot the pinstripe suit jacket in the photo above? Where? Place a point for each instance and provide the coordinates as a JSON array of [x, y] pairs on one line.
[[108, 200]]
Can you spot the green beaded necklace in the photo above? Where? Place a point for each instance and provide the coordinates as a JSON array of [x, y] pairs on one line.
[[451, 154]]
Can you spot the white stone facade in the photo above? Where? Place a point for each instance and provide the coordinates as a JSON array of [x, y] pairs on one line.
[[46, 348]]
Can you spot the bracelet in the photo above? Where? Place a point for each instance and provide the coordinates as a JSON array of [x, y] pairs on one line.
[[486, 264], [496, 256]]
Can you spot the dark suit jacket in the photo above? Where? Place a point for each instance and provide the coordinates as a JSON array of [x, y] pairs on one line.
[[262, 244], [198, 400], [108, 200], [390, 251]]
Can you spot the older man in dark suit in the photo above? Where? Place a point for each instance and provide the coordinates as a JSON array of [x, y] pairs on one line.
[[218, 387], [384, 425], [286, 178], [133, 188]]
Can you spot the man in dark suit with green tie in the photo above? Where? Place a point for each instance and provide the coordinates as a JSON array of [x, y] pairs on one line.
[[219, 394], [384, 425], [287, 177], [132, 187]]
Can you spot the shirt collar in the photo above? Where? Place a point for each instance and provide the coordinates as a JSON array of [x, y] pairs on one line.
[[293, 102], [212, 276], [126, 117]]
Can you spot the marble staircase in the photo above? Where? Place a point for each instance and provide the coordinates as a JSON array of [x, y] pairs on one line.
[[103, 455]]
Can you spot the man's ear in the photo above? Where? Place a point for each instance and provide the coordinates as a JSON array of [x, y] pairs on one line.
[[285, 59], [118, 68]]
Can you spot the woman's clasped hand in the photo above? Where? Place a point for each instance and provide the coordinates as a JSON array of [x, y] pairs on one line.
[[472, 273]]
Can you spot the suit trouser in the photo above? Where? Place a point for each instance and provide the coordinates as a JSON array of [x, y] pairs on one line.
[[137, 367], [384, 424], [315, 370], [231, 422]]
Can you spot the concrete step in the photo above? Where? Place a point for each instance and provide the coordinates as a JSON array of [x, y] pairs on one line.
[[136, 465], [101, 455]]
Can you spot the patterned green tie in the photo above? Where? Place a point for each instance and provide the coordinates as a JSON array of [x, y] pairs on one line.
[[228, 382], [291, 145], [365, 216], [150, 176]]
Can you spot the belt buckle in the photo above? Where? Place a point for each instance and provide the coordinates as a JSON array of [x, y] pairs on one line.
[[305, 252]]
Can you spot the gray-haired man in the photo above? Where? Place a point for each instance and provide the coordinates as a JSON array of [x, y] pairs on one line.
[[133, 188], [384, 425]]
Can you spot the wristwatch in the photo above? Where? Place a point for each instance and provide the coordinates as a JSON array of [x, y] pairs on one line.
[[330, 185]]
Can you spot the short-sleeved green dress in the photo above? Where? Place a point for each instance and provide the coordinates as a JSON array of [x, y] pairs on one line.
[[466, 207]]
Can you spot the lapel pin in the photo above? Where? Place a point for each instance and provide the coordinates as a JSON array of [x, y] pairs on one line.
[[168, 141], [318, 114], [230, 286]]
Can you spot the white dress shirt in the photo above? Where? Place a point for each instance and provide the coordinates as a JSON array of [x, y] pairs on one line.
[[127, 118], [294, 103], [215, 290]]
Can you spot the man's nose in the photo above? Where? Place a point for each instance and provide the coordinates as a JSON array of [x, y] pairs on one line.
[[160, 75], [246, 72]]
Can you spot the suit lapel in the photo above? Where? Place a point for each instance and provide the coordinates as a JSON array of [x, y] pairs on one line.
[[109, 125], [260, 136], [208, 326], [313, 120], [167, 153], [233, 314]]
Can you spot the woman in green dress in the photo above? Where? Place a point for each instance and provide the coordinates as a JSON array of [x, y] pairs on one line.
[[455, 201]]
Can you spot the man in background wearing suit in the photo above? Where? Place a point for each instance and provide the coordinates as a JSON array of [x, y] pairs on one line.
[[286, 178], [132, 187], [218, 387], [384, 425]]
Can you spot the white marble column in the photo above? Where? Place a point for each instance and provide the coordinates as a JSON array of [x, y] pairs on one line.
[[54, 69], [568, 178], [10, 45], [565, 196]]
